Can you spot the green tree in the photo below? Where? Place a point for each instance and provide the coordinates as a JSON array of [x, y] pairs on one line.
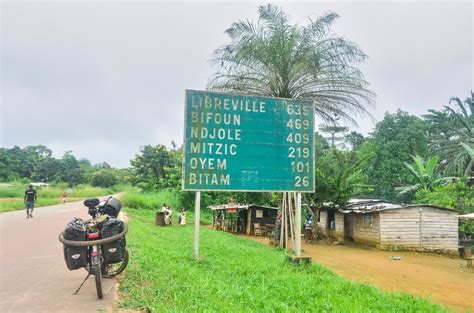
[[72, 173], [276, 59], [338, 178], [48, 169], [425, 174], [104, 178], [448, 130], [150, 166], [395, 139], [354, 139]]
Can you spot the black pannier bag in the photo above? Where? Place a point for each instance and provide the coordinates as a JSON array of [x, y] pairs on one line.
[[112, 207], [76, 257], [113, 252]]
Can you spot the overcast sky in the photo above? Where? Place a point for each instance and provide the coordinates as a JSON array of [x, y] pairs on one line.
[[104, 78]]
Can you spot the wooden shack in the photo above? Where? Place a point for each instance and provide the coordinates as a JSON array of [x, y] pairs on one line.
[[240, 218], [388, 225]]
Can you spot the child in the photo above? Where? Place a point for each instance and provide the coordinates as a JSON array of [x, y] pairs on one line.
[[64, 197], [182, 217]]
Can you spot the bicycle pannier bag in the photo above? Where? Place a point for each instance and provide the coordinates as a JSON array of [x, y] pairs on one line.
[[76, 257], [113, 252], [112, 207]]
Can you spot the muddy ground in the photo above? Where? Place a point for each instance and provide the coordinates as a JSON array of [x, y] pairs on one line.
[[443, 279]]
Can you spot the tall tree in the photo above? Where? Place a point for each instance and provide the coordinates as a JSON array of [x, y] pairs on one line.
[[395, 139], [336, 133], [274, 58], [150, 166], [72, 172], [449, 129]]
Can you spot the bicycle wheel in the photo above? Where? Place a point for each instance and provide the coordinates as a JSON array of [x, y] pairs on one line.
[[98, 280], [111, 270]]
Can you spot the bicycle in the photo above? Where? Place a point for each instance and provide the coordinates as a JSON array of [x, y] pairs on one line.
[[95, 261]]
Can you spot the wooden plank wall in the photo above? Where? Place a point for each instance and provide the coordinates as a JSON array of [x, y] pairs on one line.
[[401, 228], [339, 219], [322, 224], [368, 234]]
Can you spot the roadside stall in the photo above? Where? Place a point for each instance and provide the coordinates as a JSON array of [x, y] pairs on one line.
[[251, 219]]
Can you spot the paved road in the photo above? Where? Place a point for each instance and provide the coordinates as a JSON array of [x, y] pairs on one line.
[[33, 273]]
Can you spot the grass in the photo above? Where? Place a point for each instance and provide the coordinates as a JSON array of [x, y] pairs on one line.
[[11, 197], [237, 275]]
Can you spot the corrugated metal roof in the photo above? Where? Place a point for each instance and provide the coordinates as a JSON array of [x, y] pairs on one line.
[[238, 206], [369, 206]]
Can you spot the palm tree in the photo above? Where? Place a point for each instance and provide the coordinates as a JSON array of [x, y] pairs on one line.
[[425, 173], [276, 59], [449, 130]]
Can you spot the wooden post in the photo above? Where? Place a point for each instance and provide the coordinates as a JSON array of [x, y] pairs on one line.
[[298, 225], [197, 221]]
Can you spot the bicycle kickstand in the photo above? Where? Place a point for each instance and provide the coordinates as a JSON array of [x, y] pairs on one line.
[[77, 291]]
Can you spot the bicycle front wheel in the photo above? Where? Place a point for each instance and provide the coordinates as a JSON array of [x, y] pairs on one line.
[[98, 280]]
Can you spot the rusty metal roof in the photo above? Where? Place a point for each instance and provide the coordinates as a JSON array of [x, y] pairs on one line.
[[239, 206]]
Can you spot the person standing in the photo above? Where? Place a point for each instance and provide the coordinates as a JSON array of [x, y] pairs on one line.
[[30, 199], [170, 212], [64, 197], [182, 217], [308, 229], [164, 209]]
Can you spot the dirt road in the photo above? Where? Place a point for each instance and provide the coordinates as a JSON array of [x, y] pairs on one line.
[[443, 279], [33, 274]]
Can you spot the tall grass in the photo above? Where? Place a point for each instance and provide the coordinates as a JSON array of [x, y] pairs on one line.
[[237, 275]]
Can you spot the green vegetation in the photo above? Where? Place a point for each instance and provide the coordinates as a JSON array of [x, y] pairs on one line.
[[236, 275], [426, 175], [12, 195]]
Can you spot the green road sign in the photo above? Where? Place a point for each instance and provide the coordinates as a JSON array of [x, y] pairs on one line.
[[246, 143]]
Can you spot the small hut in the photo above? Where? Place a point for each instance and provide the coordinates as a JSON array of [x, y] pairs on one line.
[[244, 218], [390, 225]]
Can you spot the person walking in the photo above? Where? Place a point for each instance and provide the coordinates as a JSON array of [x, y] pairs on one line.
[[182, 217], [30, 199]]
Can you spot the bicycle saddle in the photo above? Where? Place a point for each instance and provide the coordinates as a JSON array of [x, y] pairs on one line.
[[92, 202]]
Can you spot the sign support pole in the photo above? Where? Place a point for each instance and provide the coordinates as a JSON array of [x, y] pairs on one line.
[[298, 225], [197, 220]]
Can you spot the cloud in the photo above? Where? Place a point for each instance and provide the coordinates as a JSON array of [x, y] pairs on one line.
[[103, 79]]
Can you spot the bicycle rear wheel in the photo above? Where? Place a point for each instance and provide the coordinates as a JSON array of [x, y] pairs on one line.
[[98, 280]]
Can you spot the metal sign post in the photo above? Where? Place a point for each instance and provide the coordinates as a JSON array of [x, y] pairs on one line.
[[298, 225], [197, 221]]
